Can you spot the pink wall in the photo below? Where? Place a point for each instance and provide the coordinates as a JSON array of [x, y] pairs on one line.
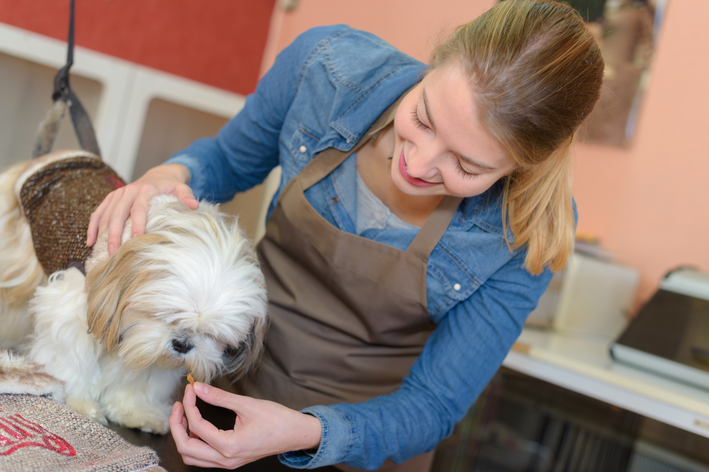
[[648, 204], [412, 26], [219, 42]]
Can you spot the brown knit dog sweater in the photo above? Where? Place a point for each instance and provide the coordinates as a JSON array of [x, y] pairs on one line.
[[58, 201]]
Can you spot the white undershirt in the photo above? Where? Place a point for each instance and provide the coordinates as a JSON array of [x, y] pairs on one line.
[[373, 213]]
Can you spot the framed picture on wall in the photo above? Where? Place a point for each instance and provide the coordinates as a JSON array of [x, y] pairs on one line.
[[627, 31]]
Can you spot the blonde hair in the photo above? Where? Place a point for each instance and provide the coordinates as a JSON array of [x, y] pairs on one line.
[[536, 73]]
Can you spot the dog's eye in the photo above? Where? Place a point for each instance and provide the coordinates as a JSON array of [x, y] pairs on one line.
[[183, 347], [232, 351]]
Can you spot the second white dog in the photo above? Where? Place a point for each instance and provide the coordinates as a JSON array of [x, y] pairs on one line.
[[186, 296]]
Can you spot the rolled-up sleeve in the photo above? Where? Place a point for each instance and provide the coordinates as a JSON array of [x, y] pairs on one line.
[[338, 438]]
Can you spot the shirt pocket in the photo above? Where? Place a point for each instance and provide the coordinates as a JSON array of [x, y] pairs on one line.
[[302, 145], [449, 281], [460, 264]]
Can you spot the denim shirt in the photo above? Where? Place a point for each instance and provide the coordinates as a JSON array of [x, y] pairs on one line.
[[325, 90]]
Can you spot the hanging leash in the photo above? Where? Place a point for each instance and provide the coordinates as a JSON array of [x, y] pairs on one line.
[[64, 97]]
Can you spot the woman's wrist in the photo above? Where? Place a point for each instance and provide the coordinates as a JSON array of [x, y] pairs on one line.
[[337, 438], [312, 432], [175, 171]]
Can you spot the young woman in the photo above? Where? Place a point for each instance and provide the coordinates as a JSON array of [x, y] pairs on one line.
[[420, 214]]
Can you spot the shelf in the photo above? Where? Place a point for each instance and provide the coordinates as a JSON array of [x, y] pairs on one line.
[[583, 365]]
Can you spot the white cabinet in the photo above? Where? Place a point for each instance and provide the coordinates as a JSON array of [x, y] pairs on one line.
[[141, 115], [589, 296]]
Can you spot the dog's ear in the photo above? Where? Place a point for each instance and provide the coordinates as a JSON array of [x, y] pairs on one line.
[[110, 285], [238, 360]]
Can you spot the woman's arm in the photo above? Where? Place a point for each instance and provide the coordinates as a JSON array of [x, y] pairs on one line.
[[246, 149], [241, 155]]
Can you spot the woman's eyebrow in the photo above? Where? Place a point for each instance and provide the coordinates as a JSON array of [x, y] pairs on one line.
[[429, 115]]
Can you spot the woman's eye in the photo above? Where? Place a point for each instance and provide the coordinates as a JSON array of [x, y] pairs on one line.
[[463, 172], [417, 121]]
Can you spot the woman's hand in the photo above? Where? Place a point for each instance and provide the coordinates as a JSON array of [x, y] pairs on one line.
[[134, 200], [262, 428]]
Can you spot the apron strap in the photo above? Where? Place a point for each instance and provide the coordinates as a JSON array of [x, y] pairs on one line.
[[325, 162], [432, 231]]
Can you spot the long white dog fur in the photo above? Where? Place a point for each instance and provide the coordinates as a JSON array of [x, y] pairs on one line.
[[186, 296]]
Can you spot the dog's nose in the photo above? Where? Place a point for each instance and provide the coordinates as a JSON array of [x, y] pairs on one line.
[[182, 346]]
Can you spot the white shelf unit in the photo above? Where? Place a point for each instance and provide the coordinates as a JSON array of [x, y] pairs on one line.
[[583, 364], [127, 103]]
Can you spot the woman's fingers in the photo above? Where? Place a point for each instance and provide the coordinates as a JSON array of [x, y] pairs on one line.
[[195, 451], [185, 195], [118, 214], [178, 428], [178, 424], [133, 200], [218, 397], [201, 427], [139, 209], [189, 460], [93, 230], [224, 443], [262, 428], [178, 418]]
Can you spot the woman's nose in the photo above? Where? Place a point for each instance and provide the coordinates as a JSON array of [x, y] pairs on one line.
[[422, 162]]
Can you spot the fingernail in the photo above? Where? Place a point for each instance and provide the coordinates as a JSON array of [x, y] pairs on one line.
[[111, 248], [199, 387], [134, 235]]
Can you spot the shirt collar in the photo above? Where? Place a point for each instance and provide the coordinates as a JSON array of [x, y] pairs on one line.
[[356, 119]]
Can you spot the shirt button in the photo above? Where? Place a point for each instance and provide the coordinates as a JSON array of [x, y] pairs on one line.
[[303, 149], [349, 141], [456, 287]]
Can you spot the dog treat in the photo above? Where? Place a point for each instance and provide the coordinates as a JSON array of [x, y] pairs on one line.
[[190, 379]]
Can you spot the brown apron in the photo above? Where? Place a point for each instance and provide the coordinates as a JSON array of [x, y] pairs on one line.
[[348, 314]]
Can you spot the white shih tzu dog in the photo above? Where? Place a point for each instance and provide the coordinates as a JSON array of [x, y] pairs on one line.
[[187, 296]]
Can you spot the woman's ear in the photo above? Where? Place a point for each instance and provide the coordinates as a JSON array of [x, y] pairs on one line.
[[110, 285]]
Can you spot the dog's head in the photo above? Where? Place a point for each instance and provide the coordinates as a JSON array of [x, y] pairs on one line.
[[188, 292]]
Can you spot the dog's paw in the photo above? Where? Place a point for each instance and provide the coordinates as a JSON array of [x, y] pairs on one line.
[[88, 408], [161, 428], [154, 421]]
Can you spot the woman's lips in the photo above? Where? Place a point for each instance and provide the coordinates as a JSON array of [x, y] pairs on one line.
[[412, 180]]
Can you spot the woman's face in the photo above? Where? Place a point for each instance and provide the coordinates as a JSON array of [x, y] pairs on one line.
[[441, 147]]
